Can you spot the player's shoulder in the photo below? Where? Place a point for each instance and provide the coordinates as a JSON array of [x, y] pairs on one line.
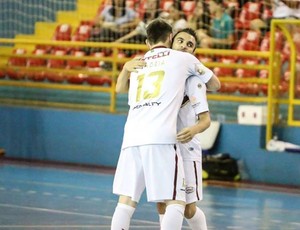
[[184, 55]]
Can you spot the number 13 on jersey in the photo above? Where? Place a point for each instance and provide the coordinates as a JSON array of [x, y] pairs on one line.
[[149, 85]]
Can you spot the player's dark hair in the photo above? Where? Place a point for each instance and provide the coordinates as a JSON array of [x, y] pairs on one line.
[[158, 30], [189, 31]]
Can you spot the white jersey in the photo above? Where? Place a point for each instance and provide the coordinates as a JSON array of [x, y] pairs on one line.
[[155, 96], [194, 102]]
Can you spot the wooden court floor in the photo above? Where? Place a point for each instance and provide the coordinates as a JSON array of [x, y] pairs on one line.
[[36, 196]]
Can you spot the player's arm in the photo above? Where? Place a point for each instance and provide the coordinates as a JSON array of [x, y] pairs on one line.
[[208, 77], [187, 134], [196, 91], [213, 84], [133, 65]]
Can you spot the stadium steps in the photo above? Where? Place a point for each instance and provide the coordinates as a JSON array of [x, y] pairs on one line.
[[5, 51], [86, 10]]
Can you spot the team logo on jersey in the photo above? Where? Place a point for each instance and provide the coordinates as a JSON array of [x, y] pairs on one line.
[[201, 71], [199, 85], [189, 190], [191, 149]]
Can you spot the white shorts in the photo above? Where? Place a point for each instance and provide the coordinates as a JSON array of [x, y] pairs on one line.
[[193, 180], [159, 168]]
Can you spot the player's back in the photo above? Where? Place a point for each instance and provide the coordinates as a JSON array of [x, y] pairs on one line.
[[155, 96]]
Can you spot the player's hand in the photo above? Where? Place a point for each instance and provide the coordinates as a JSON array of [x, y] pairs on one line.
[[185, 135], [134, 64]]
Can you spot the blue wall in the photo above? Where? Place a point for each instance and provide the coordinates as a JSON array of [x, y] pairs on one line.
[[95, 138]]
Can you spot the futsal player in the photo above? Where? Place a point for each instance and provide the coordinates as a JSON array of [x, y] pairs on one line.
[[186, 40], [148, 157], [193, 118]]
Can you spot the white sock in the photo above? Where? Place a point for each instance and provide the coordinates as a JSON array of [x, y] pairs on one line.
[[173, 217], [122, 216], [161, 216], [198, 221]]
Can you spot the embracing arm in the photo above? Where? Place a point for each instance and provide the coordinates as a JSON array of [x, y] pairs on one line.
[[185, 135], [123, 78], [213, 84]]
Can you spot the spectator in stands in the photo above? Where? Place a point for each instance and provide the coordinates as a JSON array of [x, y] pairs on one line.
[[221, 34], [148, 10], [115, 21], [199, 21], [286, 9], [175, 16]]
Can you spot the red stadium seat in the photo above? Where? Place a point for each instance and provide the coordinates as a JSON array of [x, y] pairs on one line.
[[76, 64], [37, 61], [248, 72], [221, 71], [57, 77], [16, 73], [77, 78], [249, 88], [250, 40], [63, 32], [95, 64], [18, 61], [37, 75], [228, 87], [98, 80], [82, 33], [250, 11], [57, 63]]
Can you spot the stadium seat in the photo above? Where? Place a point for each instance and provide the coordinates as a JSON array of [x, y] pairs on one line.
[[78, 78], [249, 88], [57, 77], [37, 75], [243, 73], [18, 61], [82, 33], [228, 87], [250, 11], [57, 63], [37, 61], [98, 80], [221, 71], [76, 64], [16, 73], [95, 64], [250, 40], [63, 32]]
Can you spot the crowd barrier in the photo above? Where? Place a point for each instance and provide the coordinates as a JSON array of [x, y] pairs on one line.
[[91, 78]]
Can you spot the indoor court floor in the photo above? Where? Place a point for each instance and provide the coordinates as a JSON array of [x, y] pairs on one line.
[[36, 196]]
